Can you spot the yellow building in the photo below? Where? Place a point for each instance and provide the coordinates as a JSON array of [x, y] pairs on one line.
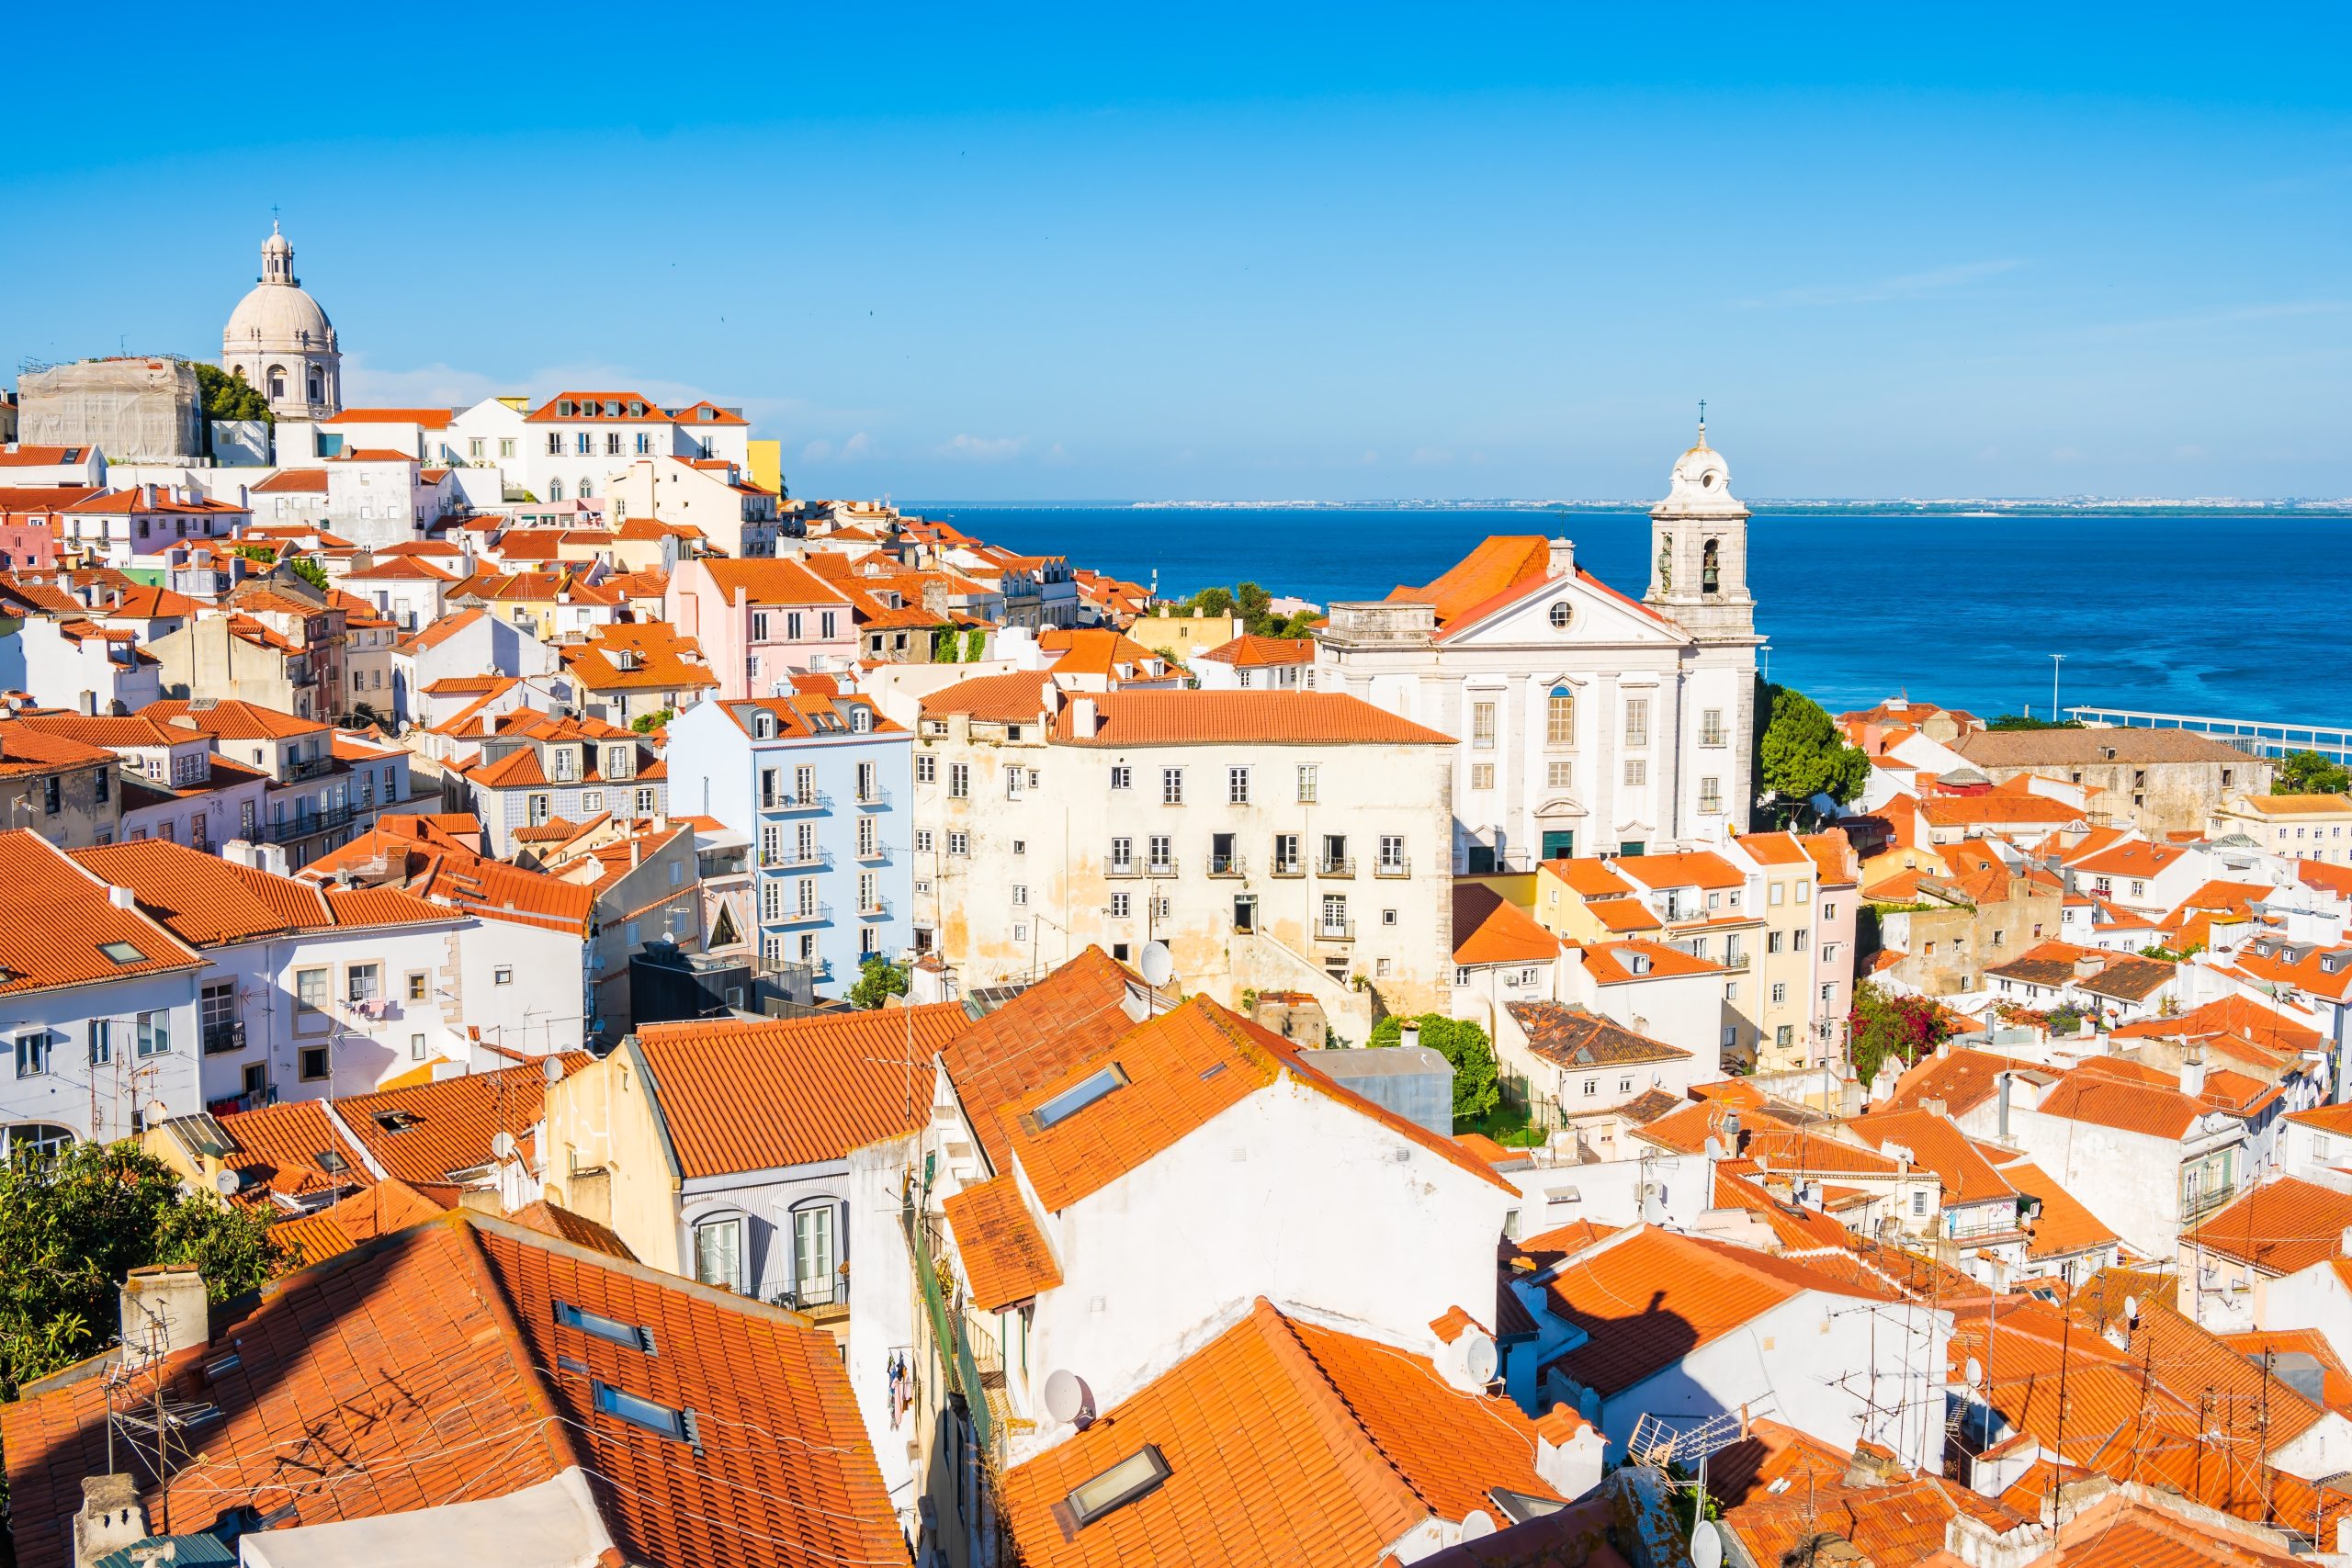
[[2293, 827], [1181, 636]]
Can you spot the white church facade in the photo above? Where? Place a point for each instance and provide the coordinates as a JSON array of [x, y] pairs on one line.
[[1586, 722]]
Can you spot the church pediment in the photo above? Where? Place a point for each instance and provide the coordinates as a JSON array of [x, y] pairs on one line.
[[1566, 613], [1560, 805]]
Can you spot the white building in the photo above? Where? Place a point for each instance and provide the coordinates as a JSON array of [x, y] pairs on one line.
[[1587, 722], [714, 494], [282, 341]]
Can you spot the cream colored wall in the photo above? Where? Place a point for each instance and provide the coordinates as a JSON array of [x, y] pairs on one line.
[[1066, 823], [601, 1116], [1181, 636], [1787, 967]]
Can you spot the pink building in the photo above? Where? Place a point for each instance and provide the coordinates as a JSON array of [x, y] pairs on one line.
[[761, 620]]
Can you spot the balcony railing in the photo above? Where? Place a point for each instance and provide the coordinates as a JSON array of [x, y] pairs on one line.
[[1225, 865], [813, 800], [221, 1037], [308, 768], [1161, 868], [302, 826], [1291, 867], [1119, 867], [1335, 930], [792, 859], [2197, 1204], [811, 1295], [814, 915], [875, 909], [1401, 865], [873, 794], [1339, 865]]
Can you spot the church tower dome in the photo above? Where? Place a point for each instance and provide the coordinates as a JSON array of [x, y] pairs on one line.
[[1699, 550], [282, 340]]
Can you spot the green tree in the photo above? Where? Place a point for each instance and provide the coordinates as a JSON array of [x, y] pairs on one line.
[[1477, 1088], [308, 572], [1301, 624], [226, 395], [976, 643], [1212, 601], [646, 722], [1885, 1022], [1256, 607], [2308, 772], [70, 1228], [877, 980], [1800, 753]]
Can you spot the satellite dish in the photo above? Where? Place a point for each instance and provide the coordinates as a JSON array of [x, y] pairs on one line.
[[552, 1071], [1974, 1373], [1478, 1359], [1706, 1546], [502, 1145], [1156, 967], [156, 1114], [1477, 1524], [227, 1183], [1653, 1205], [2131, 1309], [1068, 1399]]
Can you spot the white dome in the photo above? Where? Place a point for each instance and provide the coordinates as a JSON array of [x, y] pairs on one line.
[[278, 316], [1701, 482]]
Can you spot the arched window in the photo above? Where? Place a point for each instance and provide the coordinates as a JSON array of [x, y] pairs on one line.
[[1560, 718], [38, 1140], [719, 1252], [318, 385], [276, 382], [555, 490], [816, 1273], [1709, 574], [587, 491]]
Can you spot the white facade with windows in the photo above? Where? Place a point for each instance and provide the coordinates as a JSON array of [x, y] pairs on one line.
[[1589, 723]]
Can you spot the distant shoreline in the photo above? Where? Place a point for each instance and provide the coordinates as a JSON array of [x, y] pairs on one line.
[[1956, 507]]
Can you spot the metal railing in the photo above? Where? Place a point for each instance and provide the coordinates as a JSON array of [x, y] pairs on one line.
[[1119, 868], [308, 768], [814, 800], [788, 860], [1291, 867], [1225, 865], [1335, 930], [1341, 865], [302, 827], [875, 909], [809, 1294], [1400, 866], [873, 794], [814, 915], [221, 1037]]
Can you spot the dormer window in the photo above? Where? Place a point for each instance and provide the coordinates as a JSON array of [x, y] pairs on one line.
[[764, 725]]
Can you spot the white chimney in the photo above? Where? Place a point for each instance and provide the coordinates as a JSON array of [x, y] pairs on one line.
[[111, 1519], [121, 898], [165, 1309], [1408, 1034], [1564, 558], [2193, 1071], [1082, 719]]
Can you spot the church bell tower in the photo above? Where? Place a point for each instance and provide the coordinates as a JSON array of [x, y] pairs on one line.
[[1699, 550]]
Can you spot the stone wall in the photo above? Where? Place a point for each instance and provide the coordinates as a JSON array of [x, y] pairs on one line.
[[135, 410]]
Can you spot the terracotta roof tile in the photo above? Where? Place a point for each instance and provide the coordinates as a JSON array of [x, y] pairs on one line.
[[1490, 928], [58, 918], [1072, 1014], [2280, 1227], [430, 1132], [1006, 1257], [1261, 718], [1571, 1037], [2064, 1225]]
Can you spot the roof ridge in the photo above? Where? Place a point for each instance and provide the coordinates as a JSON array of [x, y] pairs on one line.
[[1289, 1348], [564, 1448]]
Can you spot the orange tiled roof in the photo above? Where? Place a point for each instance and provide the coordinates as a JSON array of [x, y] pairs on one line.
[[207, 901], [739, 1095], [1490, 928], [1072, 1014], [459, 1314], [1257, 719], [2281, 1226], [1935, 1143], [2064, 1225], [1959, 1078], [429, 419], [1589, 876], [58, 919], [1006, 1257], [376, 1209], [1693, 868], [1571, 1037], [427, 1134], [1499, 564], [1340, 1447], [1251, 651], [1611, 963], [2110, 1101], [232, 719], [578, 1229], [1015, 698]]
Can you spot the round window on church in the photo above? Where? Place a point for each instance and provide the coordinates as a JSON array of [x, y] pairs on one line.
[[1561, 614]]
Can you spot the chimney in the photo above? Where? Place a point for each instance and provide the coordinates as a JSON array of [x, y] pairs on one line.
[[1409, 1035], [1082, 719], [2002, 1125], [1564, 558], [164, 1310], [110, 1519], [2193, 1071], [152, 494], [121, 898], [1567, 1452]]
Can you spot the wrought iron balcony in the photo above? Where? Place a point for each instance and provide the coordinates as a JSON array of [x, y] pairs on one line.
[[812, 800], [1402, 865], [219, 1037], [1339, 865], [1226, 865], [1335, 930]]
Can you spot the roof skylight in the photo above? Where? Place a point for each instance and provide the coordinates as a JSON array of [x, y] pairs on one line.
[[604, 1328], [1131, 1478], [122, 952], [678, 1426], [1079, 1095]]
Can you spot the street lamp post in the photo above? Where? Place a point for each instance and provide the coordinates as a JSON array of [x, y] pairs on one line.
[[2056, 660]]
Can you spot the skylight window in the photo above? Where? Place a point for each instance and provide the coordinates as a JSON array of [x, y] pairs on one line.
[[397, 1120], [1079, 1095], [331, 1162], [122, 952], [675, 1425], [1137, 1475], [604, 1328]]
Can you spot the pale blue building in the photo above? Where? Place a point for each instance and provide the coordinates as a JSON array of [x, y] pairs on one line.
[[822, 786]]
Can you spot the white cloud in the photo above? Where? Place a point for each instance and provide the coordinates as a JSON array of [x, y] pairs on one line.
[[984, 449], [1907, 286], [428, 385], [817, 451], [859, 447], [1432, 455]]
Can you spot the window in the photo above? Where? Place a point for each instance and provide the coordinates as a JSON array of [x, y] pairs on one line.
[[1637, 773], [1163, 855], [1131, 1478], [155, 1034], [1637, 721], [310, 989], [506, 446], [1482, 725], [1829, 912], [32, 1053], [866, 837], [1335, 915], [719, 1253], [1560, 715], [313, 1063], [959, 843], [922, 841], [1019, 893], [645, 803], [416, 1051], [1307, 783], [1710, 727], [101, 1041], [760, 634], [1560, 775], [1482, 775], [1286, 854], [959, 781], [1392, 853], [1711, 796], [1077, 1096], [1799, 939], [1171, 787], [1121, 776], [1120, 906], [360, 982], [607, 1328], [502, 975], [812, 1253], [1918, 1202], [926, 769], [1013, 782], [1780, 992], [638, 1412], [1560, 614], [1237, 786], [1805, 892]]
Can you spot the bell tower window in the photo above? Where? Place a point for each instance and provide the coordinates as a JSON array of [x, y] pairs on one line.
[[1709, 571], [276, 382], [318, 386]]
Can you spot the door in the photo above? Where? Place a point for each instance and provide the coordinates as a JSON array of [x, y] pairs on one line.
[[812, 1254], [1558, 845], [1245, 913]]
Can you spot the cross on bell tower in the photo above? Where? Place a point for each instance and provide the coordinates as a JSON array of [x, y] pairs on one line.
[[1699, 548]]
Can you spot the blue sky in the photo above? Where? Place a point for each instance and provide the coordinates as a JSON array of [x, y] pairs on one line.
[[1261, 252]]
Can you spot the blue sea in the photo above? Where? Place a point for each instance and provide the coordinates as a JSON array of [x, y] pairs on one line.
[[2198, 613]]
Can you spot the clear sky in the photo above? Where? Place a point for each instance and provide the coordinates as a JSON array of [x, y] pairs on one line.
[[1257, 252]]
